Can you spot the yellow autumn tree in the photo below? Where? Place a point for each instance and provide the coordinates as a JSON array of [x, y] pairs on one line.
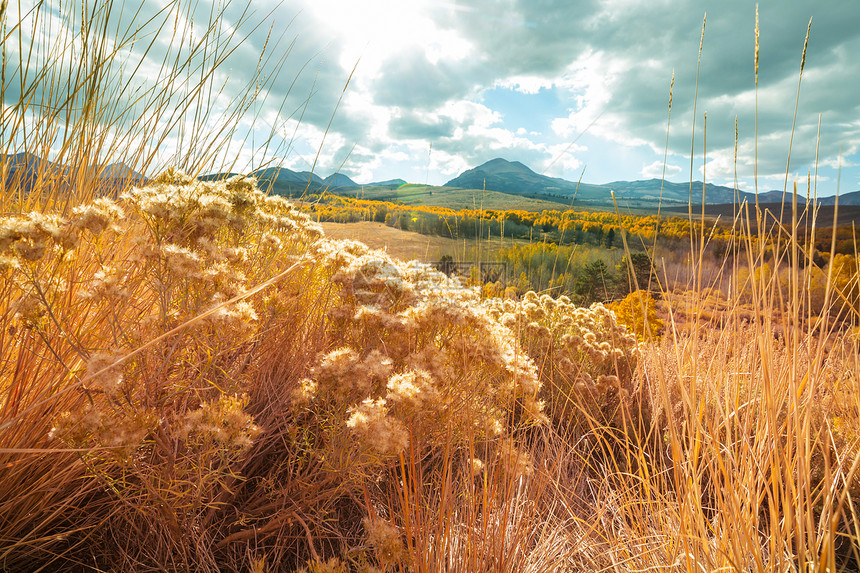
[[638, 312]]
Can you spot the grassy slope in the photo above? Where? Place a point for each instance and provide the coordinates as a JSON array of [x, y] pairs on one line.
[[408, 245], [455, 198]]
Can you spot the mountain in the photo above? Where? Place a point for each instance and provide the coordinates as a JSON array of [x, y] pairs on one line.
[[313, 177], [217, 176], [517, 179], [714, 194], [121, 171], [27, 171], [28, 165], [510, 177], [649, 190], [388, 183], [852, 198], [284, 181], [116, 178], [282, 175], [339, 180]]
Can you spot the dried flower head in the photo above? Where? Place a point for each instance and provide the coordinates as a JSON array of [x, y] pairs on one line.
[[29, 309], [107, 283], [513, 461], [342, 375], [476, 467], [412, 389], [304, 392], [104, 371], [376, 430], [31, 236], [385, 539], [333, 565], [97, 216], [181, 261], [223, 421]]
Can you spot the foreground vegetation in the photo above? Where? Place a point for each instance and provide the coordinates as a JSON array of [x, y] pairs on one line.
[[193, 377]]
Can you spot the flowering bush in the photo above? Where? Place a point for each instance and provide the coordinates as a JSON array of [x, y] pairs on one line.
[[204, 323], [137, 303], [586, 358]]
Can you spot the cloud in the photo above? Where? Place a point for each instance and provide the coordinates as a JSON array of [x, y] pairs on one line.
[[656, 170], [412, 81], [415, 126], [423, 65]]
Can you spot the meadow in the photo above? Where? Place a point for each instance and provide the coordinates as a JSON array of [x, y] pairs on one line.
[[453, 198], [193, 376]]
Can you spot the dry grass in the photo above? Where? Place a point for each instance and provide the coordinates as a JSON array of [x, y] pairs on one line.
[[405, 245], [408, 245]]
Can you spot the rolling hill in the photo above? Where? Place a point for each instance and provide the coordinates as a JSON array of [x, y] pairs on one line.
[[516, 178]]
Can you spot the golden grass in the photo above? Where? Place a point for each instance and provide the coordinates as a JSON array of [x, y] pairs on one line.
[[405, 245], [409, 245]]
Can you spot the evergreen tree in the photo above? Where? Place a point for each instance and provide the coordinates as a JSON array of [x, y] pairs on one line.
[[595, 283], [641, 267]]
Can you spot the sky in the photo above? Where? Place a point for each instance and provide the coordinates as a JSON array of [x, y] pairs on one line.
[[425, 89]]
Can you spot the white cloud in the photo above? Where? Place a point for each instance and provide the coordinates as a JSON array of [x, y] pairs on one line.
[[656, 170], [526, 84], [837, 162]]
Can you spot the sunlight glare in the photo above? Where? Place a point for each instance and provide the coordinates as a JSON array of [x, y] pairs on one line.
[[377, 30]]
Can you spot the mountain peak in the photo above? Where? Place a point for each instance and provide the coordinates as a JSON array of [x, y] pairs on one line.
[[510, 177], [339, 180], [500, 165], [120, 171]]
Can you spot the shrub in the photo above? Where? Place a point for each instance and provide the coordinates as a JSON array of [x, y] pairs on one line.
[[638, 312], [586, 359], [214, 354]]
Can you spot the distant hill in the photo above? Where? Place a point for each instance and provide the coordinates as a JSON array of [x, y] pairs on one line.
[[511, 178], [28, 165], [278, 180], [27, 170], [284, 175], [284, 181], [852, 198], [217, 176], [714, 194], [388, 183], [308, 176], [515, 178], [121, 171], [339, 180], [650, 190]]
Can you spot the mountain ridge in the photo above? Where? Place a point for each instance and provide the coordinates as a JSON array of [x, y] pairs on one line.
[[498, 174], [516, 178]]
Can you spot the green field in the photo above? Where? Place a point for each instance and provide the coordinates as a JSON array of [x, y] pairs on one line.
[[452, 198]]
